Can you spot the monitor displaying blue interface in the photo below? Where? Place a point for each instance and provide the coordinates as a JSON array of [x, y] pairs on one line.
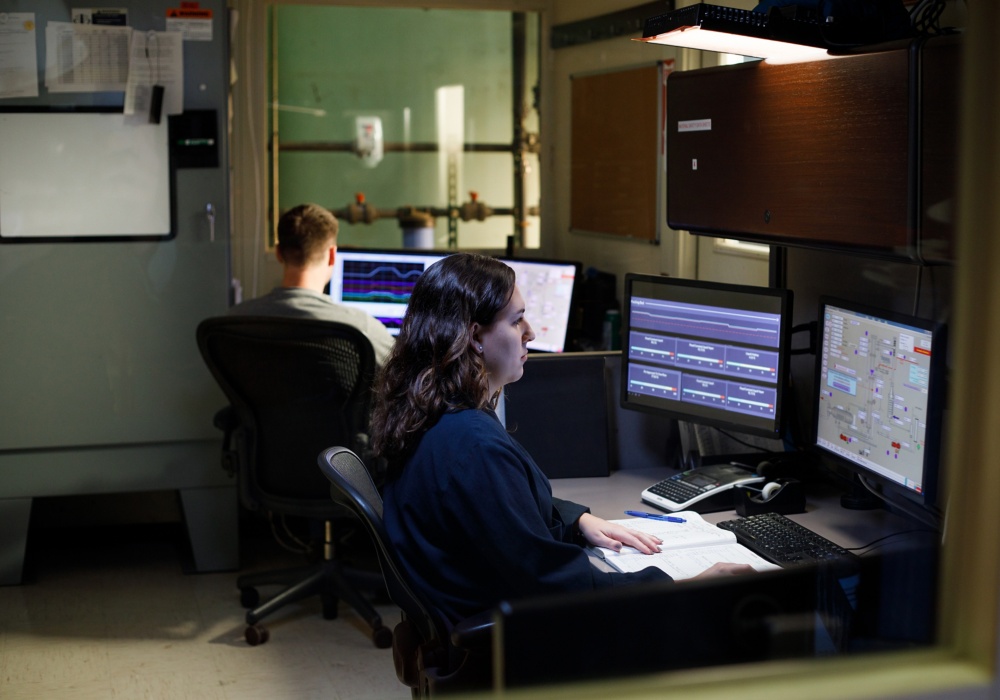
[[379, 282], [704, 352], [878, 394]]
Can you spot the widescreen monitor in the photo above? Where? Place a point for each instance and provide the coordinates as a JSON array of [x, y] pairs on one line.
[[879, 393], [548, 287], [705, 352], [379, 282]]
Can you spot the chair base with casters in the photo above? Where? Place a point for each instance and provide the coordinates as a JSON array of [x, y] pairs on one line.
[[294, 386], [329, 579]]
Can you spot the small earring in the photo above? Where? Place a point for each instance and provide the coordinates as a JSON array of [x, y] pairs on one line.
[[480, 348]]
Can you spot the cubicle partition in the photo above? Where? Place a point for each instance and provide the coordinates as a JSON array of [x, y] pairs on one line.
[[102, 286], [804, 611], [565, 411], [618, 632]]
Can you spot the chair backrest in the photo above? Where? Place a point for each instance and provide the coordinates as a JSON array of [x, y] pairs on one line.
[[296, 386], [353, 487]]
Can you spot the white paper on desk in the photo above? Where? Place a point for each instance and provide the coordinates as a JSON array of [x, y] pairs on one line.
[[18, 58], [86, 57], [687, 562], [156, 58], [688, 548], [695, 531]]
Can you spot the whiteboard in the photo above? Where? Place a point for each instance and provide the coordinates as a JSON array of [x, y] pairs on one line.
[[83, 175]]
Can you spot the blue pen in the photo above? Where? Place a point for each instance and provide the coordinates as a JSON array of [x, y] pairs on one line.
[[654, 516]]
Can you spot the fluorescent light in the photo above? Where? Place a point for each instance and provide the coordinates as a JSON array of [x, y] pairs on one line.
[[723, 42], [771, 36]]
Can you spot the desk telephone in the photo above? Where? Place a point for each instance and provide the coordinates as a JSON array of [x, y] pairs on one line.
[[704, 489]]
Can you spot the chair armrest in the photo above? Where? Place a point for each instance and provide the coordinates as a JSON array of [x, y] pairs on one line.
[[473, 633], [225, 420]]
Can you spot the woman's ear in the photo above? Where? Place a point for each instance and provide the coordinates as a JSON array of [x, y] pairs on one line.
[[475, 338]]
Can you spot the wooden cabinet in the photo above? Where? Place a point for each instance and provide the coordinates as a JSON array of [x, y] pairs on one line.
[[852, 153]]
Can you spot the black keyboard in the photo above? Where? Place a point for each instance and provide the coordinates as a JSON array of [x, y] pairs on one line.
[[784, 541]]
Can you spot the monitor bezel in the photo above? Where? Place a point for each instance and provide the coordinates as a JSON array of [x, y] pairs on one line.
[[574, 295], [717, 418], [936, 392]]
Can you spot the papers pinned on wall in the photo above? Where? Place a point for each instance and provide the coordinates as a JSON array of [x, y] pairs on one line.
[[18, 55]]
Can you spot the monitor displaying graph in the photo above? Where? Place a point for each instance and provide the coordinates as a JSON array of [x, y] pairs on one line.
[[379, 282]]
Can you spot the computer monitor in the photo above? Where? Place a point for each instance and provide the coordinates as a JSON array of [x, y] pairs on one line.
[[379, 282], [879, 392], [706, 352], [548, 287]]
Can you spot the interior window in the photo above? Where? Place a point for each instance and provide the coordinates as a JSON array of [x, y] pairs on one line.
[[373, 118]]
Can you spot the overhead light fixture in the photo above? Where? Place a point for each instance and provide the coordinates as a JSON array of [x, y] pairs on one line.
[[786, 34]]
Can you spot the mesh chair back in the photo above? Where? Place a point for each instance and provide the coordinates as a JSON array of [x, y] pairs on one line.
[[297, 386]]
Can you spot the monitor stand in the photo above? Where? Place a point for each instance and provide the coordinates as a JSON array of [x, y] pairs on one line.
[[859, 498]]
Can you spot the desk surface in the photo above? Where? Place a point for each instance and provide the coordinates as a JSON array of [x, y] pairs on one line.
[[608, 497]]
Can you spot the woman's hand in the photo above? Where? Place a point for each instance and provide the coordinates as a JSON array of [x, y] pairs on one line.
[[601, 533]]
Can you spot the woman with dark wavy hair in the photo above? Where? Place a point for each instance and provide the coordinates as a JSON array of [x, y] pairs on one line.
[[469, 512]]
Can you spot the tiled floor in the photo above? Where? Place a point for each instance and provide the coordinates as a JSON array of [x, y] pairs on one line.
[[104, 616]]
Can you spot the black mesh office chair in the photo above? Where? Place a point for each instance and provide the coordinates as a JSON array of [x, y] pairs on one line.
[[431, 656], [295, 387]]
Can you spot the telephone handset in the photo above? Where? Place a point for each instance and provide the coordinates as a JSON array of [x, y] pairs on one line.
[[704, 489]]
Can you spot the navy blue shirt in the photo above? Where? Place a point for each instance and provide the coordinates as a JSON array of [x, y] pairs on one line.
[[474, 521]]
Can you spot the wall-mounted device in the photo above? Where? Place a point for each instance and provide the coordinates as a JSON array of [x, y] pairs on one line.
[[194, 138], [368, 141]]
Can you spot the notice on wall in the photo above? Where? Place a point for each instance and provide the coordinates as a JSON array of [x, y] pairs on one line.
[[86, 57], [192, 21], [18, 58], [157, 59], [107, 16]]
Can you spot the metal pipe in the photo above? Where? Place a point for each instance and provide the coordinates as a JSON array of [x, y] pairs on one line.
[[400, 147], [519, 68], [350, 214]]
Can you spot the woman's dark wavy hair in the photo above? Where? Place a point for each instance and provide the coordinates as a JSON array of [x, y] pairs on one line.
[[432, 369]]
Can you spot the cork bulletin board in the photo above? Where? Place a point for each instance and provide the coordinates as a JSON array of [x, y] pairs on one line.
[[616, 151]]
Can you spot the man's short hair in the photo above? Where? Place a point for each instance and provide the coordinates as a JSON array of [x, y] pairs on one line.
[[304, 232]]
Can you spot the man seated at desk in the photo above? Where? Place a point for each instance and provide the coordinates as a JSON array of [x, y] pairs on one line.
[[307, 248]]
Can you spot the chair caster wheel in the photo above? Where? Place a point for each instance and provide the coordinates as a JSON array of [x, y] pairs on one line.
[[249, 598], [382, 636], [256, 634]]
